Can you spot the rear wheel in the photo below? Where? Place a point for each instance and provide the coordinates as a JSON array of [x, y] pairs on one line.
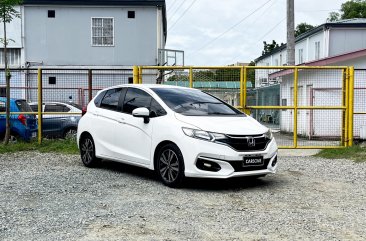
[[87, 151], [170, 165]]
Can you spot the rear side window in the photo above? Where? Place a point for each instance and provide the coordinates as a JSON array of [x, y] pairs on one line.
[[56, 108], [99, 98], [135, 98], [23, 106], [110, 99], [2, 107]]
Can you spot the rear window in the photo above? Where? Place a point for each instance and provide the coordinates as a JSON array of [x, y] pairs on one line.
[[75, 105], [23, 106]]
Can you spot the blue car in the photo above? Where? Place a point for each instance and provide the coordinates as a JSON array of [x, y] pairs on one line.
[[22, 126]]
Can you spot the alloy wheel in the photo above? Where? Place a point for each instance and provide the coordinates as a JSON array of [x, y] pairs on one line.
[[169, 166]]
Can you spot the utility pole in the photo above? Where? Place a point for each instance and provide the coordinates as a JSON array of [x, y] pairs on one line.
[[290, 33]]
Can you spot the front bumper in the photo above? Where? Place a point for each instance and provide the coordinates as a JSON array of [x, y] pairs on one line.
[[228, 159]]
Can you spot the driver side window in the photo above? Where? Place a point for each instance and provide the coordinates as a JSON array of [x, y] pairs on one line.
[[136, 98]]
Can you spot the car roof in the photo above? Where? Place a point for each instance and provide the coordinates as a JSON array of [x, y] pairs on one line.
[[148, 86]]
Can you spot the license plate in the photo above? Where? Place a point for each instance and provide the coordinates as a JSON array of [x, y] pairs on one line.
[[253, 161], [34, 134]]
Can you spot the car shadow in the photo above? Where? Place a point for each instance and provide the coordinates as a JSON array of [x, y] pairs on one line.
[[202, 184]]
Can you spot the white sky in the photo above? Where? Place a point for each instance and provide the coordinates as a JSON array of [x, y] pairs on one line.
[[202, 27]]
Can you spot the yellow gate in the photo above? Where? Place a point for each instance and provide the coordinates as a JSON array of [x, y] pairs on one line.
[[305, 106]]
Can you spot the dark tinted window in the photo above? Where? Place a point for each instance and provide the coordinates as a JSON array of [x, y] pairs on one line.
[[156, 109], [23, 106], [194, 102], [135, 98], [99, 98], [131, 14], [2, 107], [34, 108], [56, 108], [110, 99], [75, 105], [51, 13]]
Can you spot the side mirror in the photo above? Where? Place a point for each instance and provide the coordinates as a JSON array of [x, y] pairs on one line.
[[142, 112]]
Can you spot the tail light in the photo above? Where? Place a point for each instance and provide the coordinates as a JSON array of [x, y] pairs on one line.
[[22, 119], [83, 110]]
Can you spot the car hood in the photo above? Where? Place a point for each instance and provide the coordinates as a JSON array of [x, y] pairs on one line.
[[238, 125]]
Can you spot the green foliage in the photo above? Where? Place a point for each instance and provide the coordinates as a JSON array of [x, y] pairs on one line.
[[67, 146], [349, 9], [267, 48], [333, 17], [356, 153], [303, 28], [251, 74], [7, 10]]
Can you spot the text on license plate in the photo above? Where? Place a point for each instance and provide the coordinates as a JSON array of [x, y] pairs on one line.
[[253, 161]]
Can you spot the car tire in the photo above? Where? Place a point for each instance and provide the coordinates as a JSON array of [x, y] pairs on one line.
[[87, 151], [170, 165]]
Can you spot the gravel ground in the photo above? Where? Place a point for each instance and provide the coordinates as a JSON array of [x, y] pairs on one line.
[[53, 197]]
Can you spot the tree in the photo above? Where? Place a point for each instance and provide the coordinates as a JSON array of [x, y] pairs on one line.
[[251, 74], [333, 17], [267, 48], [349, 9], [303, 28], [7, 14]]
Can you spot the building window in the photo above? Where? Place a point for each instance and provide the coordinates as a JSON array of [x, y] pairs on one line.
[[276, 62], [131, 14], [51, 13], [280, 59], [317, 50], [301, 56], [52, 80], [13, 57], [102, 32]]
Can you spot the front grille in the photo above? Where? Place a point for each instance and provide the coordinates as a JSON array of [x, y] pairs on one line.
[[238, 166], [246, 143]]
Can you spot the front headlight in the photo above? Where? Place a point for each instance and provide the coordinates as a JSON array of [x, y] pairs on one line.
[[203, 135], [268, 135]]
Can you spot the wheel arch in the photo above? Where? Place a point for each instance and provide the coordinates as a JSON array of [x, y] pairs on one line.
[[158, 147]]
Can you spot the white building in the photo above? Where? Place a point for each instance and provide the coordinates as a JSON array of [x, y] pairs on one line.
[[331, 44]]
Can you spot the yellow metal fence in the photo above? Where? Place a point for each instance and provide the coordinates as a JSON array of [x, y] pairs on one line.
[[307, 107]]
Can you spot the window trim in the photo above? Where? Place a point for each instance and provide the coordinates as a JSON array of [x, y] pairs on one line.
[[91, 32]]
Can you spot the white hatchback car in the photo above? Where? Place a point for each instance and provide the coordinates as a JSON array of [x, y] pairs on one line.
[[178, 132]]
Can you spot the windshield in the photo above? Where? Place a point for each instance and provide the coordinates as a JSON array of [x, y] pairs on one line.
[[194, 102]]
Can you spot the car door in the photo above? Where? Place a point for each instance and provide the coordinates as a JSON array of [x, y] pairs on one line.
[[108, 124], [53, 124], [135, 136]]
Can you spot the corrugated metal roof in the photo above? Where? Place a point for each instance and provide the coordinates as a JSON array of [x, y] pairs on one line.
[[209, 84]]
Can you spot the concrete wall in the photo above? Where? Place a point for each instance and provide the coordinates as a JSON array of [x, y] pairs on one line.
[[66, 39], [346, 40]]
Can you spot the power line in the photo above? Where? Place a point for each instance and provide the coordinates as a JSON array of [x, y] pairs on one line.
[[185, 11], [270, 31], [233, 26], [171, 6], [176, 10]]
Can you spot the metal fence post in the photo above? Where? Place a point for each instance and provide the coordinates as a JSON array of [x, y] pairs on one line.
[[135, 74], [243, 89], [40, 102], [350, 105], [296, 78], [90, 85]]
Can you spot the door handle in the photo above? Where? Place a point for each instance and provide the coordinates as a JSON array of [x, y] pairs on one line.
[[121, 120]]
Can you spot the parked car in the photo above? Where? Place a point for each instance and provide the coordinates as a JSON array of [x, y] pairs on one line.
[[22, 125], [178, 132], [61, 125]]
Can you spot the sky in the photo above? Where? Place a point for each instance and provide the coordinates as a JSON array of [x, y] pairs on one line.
[[223, 32]]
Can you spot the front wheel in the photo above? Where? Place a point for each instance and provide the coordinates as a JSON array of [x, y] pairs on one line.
[[87, 152], [170, 165]]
